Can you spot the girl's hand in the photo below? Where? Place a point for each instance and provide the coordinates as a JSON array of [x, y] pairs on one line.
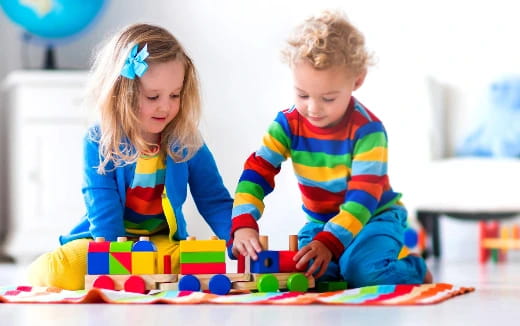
[[246, 243], [317, 251]]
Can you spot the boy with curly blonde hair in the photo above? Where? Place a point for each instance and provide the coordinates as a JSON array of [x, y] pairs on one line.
[[338, 148]]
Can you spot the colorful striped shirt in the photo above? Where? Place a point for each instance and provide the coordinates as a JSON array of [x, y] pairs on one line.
[[341, 173], [143, 208]]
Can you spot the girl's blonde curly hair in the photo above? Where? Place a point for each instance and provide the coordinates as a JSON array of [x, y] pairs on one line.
[[328, 39], [116, 98]]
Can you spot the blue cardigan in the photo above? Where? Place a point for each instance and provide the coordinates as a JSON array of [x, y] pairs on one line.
[[105, 195]]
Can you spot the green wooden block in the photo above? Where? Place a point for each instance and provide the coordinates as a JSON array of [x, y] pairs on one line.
[[124, 246], [203, 257], [115, 267]]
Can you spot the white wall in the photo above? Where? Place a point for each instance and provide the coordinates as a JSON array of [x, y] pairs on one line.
[[235, 45]]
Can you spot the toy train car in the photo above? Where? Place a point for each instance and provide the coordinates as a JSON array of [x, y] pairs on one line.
[[133, 266]]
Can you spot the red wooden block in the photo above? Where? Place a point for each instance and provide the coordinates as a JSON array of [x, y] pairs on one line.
[[211, 268], [241, 264], [167, 263], [287, 264], [94, 246]]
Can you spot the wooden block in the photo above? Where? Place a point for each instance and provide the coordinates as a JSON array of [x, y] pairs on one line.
[[144, 262], [97, 263], [151, 281], [120, 263], [293, 243], [208, 268], [123, 246], [98, 246], [202, 245], [203, 257], [286, 262], [167, 264], [144, 245], [268, 262]]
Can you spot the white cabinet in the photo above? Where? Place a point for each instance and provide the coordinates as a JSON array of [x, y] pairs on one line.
[[43, 126]]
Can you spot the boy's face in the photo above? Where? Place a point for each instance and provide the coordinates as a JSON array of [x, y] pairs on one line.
[[159, 97], [322, 96]]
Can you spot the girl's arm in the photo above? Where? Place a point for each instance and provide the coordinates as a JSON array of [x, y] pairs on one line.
[[209, 193], [103, 201]]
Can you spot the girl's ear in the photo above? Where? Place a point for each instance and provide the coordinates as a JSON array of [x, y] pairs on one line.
[[360, 79]]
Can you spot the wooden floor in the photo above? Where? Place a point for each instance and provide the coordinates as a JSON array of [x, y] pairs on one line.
[[496, 301]]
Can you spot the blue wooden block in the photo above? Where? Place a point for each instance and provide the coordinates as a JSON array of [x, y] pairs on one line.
[[97, 263], [268, 262], [144, 245]]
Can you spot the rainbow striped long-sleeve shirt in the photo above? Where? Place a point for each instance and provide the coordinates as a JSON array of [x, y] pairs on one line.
[[341, 173]]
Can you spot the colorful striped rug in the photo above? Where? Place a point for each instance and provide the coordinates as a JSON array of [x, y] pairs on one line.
[[371, 295]]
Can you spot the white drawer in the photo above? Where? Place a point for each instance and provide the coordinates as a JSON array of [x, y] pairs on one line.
[[42, 103]]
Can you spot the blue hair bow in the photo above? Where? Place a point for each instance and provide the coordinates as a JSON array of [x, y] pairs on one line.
[[135, 63]]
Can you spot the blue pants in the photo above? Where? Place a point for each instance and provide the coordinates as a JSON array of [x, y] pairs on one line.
[[371, 257]]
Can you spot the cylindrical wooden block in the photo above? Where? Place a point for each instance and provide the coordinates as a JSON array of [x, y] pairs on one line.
[[264, 242], [213, 237], [100, 239], [191, 237], [144, 238], [293, 242], [121, 239]]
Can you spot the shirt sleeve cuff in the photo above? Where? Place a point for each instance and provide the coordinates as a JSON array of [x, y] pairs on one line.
[[331, 242]]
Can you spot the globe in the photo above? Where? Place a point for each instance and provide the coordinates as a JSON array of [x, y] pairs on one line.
[[52, 19]]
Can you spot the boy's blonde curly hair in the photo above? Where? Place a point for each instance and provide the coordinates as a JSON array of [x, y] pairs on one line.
[[326, 40]]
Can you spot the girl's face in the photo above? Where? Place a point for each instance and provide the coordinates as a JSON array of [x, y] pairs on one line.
[[159, 97], [322, 96]]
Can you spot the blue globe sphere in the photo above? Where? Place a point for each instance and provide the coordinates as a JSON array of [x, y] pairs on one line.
[[52, 19]]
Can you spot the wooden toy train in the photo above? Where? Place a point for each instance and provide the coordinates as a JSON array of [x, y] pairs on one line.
[[133, 266]]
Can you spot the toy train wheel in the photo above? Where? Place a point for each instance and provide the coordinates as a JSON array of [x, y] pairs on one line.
[[189, 283], [267, 283], [135, 284], [104, 282], [297, 282], [219, 284]]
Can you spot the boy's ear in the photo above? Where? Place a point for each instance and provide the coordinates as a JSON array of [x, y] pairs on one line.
[[360, 79]]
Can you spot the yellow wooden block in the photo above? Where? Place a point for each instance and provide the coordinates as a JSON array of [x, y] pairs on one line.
[[144, 262], [202, 245]]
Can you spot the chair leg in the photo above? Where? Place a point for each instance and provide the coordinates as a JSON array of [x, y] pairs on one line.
[[430, 222]]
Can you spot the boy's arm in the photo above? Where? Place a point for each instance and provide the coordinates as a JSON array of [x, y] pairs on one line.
[[257, 179], [368, 182]]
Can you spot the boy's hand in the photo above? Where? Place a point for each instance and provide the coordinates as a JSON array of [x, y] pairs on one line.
[[317, 251], [246, 242]]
